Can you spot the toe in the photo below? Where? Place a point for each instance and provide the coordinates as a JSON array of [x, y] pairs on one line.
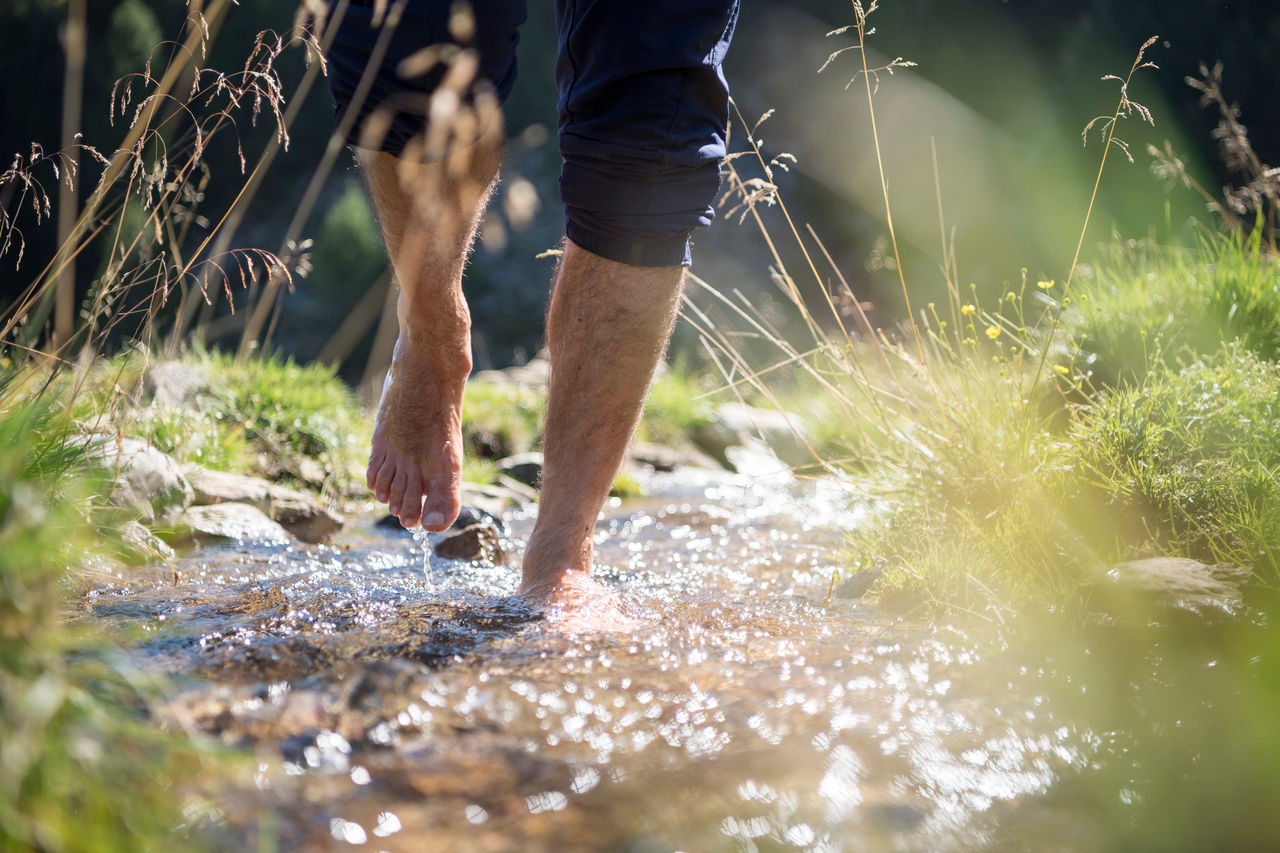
[[395, 497], [411, 503], [382, 483], [376, 458], [441, 507]]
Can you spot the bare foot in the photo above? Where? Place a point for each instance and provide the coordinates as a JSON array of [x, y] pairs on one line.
[[415, 464], [576, 604]]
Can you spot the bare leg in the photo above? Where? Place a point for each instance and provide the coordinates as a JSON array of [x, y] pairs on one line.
[[428, 213], [607, 328]]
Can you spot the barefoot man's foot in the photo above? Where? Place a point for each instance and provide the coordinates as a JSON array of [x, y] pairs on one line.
[[415, 464], [574, 603], [428, 213]]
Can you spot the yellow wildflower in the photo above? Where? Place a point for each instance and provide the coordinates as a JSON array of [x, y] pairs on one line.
[[1044, 285], [993, 332], [967, 310], [1062, 368]]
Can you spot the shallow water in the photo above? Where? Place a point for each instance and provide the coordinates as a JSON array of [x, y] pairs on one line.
[[393, 702]]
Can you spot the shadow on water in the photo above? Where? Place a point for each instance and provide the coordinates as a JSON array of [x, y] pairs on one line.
[[393, 701]]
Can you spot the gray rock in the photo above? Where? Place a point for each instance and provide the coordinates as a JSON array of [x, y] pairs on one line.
[[1140, 588], [144, 546], [171, 383], [494, 499], [524, 468], [476, 542], [532, 374], [521, 492], [303, 515], [145, 480], [298, 512], [216, 487], [736, 424], [231, 521], [663, 457]]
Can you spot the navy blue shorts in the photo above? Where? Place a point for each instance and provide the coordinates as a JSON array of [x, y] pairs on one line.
[[643, 105]]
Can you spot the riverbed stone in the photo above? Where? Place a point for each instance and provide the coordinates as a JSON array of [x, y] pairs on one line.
[[172, 383], [145, 480], [524, 468], [303, 515], [1140, 588], [736, 424], [143, 545], [495, 499], [240, 522], [298, 512], [668, 457], [532, 374], [478, 541], [216, 487]]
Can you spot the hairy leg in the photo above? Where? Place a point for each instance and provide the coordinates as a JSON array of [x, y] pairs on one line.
[[607, 328], [428, 213]]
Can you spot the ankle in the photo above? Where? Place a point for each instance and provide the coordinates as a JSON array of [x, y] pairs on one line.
[[549, 566]]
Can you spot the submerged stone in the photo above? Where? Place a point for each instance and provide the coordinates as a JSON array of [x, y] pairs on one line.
[[1139, 587]]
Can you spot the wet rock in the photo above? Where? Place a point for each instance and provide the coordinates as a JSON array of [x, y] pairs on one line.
[[476, 542], [303, 515], [390, 522], [754, 458], [524, 494], [475, 515], [216, 487], [146, 481], [663, 457], [143, 545], [468, 516], [897, 817], [495, 499], [524, 468], [532, 374], [298, 512], [172, 383], [311, 471], [231, 521], [861, 583], [1141, 588], [736, 424]]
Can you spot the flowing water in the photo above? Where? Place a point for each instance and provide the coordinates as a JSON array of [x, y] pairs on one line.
[[395, 702]]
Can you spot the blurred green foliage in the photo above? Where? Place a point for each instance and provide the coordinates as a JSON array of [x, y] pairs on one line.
[[81, 771]]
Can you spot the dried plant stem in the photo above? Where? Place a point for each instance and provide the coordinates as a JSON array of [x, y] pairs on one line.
[[124, 155], [72, 104], [1123, 107], [884, 183], [251, 338]]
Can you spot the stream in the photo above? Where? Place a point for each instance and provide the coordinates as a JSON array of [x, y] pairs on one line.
[[394, 701]]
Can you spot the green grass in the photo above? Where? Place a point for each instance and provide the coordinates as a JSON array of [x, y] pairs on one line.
[[998, 495], [1190, 459], [677, 406], [82, 772], [500, 419], [267, 416], [1147, 306]]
